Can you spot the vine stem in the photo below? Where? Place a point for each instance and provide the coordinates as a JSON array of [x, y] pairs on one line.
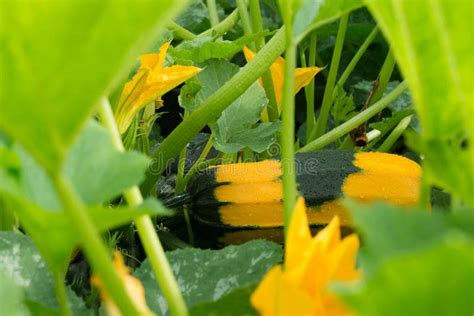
[[245, 19], [357, 120], [321, 123], [213, 16], [287, 136], [358, 55], [211, 108], [395, 134], [257, 26], [61, 295], [309, 89], [95, 250], [180, 31], [146, 230], [222, 26]]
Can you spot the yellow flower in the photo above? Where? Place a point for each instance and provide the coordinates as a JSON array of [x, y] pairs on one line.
[[311, 263], [303, 77], [133, 286], [151, 81]]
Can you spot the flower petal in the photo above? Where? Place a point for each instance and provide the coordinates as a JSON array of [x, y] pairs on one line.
[[299, 236], [276, 296], [133, 286]]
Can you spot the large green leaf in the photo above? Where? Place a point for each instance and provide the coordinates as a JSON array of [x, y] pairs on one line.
[[201, 49], [96, 169], [207, 275], [237, 126], [314, 13], [235, 303], [389, 231], [436, 281], [215, 74], [58, 58], [433, 50], [13, 298], [21, 264]]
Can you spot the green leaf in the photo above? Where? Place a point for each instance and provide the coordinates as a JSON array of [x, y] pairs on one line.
[[215, 74], [389, 231], [97, 170], [13, 298], [207, 275], [61, 58], [258, 139], [21, 263], [433, 50], [235, 129], [315, 13], [201, 49], [435, 281], [235, 303]]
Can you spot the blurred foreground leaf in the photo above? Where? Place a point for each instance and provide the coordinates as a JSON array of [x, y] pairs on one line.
[[235, 303], [60, 58], [413, 262], [433, 50], [207, 275], [436, 281]]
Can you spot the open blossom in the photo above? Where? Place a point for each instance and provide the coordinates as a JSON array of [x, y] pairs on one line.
[[132, 285], [311, 263], [303, 77], [151, 81]]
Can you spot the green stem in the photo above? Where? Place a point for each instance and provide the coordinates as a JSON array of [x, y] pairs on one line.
[[424, 201], [257, 27], [395, 134], [257, 24], [180, 176], [223, 26], [95, 250], [213, 16], [288, 129], [61, 295], [180, 31], [384, 76], [309, 89], [146, 230], [212, 107], [321, 124], [198, 164], [358, 55], [198, 167], [357, 120], [245, 19], [181, 166]]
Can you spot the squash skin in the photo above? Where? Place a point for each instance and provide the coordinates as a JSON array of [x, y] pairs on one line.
[[249, 195]]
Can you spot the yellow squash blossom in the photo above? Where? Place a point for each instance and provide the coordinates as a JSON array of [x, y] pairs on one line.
[[132, 285], [311, 263], [151, 81], [303, 77]]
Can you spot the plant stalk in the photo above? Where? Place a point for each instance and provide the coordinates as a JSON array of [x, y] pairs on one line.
[[213, 15], [395, 134], [309, 89], [287, 136], [223, 26], [321, 123], [95, 250], [146, 230], [354, 122], [358, 55]]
